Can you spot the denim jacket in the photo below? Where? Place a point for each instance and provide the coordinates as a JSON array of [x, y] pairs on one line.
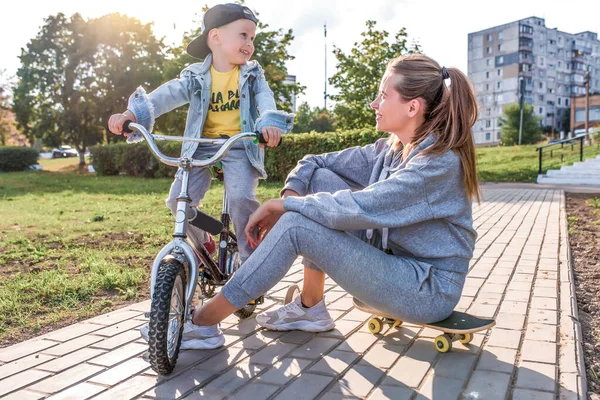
[[257, 105]]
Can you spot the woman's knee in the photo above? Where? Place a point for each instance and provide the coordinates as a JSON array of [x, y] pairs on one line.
[[325, 180]]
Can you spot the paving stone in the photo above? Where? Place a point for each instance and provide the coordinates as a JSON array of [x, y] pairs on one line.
[[114, 317], [274, 352], [487, 385], [23, 349], [23, 364], [510, 321], [543, 317], [118, 355], [21, 379], [455, 365], [538, 351], [121, 372], [224, 359], [176, 387], [256, 341], [517, 295], [72, 331], [334, 363], [532, 375], [524, 394], [297, 337], [315, 348], [66, 378], [75, 358], [540, 332], [540, 291], [256, 390], [128, 389], [307, 386], [284, 370], [505, 338], [342, 329], [513, 307], [440, 387], [120, 327], [543, 303], [358, 381], [413, 365], [24, 395], [497, 359], [81, 391], [116, 341], [383, 355], [358, 342], [392, 392]]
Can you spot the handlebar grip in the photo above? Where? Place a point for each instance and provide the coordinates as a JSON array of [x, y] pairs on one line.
[[261, 139], [126, 128]]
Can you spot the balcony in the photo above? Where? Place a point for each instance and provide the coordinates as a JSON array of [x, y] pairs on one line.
[[526, 48], [582, 49], [526, 74], [528, 61]]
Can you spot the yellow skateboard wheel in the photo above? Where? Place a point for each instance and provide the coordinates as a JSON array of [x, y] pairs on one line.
[[465, 338], [443, 343], [375, 325], [397, 323]]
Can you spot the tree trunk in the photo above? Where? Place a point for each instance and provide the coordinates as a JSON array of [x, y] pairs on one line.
[[81, 158]]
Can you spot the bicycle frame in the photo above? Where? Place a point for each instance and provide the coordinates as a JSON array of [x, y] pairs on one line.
[[178, 247]]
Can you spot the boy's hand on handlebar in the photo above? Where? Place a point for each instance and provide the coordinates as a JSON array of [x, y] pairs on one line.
[[116, 121], [272, 135]]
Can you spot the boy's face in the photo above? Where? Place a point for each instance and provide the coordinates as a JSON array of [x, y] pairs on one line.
[[234, 41]]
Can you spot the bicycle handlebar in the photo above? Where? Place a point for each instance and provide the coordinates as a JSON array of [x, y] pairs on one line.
[[130, 127]]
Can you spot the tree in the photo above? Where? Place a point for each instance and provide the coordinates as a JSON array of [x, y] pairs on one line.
[[5, 122], [359, 73], [76, 72], [308, 120], [510, 125]]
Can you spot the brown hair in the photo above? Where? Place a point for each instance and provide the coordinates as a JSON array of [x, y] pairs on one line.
[[450, 112]]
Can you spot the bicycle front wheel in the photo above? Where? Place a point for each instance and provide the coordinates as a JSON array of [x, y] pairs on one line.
[[167, 316]]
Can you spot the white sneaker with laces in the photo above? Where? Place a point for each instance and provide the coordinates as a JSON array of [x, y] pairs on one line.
[[293, 316], [195, 337]]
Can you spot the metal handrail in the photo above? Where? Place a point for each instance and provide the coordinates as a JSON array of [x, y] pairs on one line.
[[570, 141]]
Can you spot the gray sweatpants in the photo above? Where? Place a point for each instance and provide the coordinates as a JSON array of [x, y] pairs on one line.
[[240, 179], [399, 286]]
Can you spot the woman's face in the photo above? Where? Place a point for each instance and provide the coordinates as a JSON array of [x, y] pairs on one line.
[[392, 113]]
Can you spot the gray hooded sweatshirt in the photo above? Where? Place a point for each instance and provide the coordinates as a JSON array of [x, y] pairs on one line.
[[415, 207]]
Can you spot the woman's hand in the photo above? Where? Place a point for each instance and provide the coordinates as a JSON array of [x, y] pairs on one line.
[[262, 220]]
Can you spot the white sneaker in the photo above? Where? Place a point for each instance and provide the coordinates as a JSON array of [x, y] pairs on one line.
[[293, 316], [195, 337]]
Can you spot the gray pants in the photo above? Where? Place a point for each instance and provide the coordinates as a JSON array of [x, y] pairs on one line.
[[241, 180], [399, 286]]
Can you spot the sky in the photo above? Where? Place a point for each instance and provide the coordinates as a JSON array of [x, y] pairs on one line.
[[440, 27]]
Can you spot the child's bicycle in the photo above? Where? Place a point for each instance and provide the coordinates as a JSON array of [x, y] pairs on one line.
[[178, 267]]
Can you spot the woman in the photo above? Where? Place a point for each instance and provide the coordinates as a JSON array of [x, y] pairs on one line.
[[391, 222]]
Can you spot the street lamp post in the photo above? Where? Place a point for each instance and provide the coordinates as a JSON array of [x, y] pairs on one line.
[[521, 101], [587, 102]]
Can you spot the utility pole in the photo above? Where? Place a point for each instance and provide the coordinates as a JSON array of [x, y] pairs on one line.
[[552, 134], [521, 101], [325, 92]]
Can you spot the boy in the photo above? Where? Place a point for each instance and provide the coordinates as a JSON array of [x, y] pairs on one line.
[[225, 92]]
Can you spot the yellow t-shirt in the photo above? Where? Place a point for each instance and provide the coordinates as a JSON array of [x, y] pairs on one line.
[[223, 116]]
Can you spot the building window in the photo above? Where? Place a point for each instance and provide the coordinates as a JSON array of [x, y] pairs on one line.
[[498, 136], [488, 123], [487, 86], [487, 74], [541, 110], [499, 85], [541, 85], [488, 136], [541, 97], [560, 40], [542, 61], [552, 41], [499, 47], [488, 62], [559, 101], [489, 50], [567, 102], [500, 35], [489, 37], [501, 60], [559, 64], [499, 72], [488, 112]]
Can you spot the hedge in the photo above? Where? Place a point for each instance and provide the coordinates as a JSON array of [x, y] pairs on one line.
[[17, 158], [137, 160]]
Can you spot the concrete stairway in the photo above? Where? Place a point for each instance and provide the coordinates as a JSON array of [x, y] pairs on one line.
[[580, 173]]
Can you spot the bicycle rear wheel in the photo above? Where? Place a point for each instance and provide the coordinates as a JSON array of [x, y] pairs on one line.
[[167, 316]]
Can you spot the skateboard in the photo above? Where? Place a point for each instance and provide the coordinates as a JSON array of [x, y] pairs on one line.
[[458, 326]]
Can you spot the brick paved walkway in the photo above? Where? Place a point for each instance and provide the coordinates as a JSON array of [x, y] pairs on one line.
[[520, 274]]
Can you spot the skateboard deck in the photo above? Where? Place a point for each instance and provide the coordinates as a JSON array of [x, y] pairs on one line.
[[458, 326]]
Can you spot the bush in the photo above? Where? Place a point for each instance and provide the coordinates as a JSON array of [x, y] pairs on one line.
[[137, 159], [17, 158]]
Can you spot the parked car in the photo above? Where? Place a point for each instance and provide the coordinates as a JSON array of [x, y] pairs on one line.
[[64, 151]]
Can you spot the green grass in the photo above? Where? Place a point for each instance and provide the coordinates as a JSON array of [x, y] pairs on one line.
[[72, 246], [520, 163], [58, 164]]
